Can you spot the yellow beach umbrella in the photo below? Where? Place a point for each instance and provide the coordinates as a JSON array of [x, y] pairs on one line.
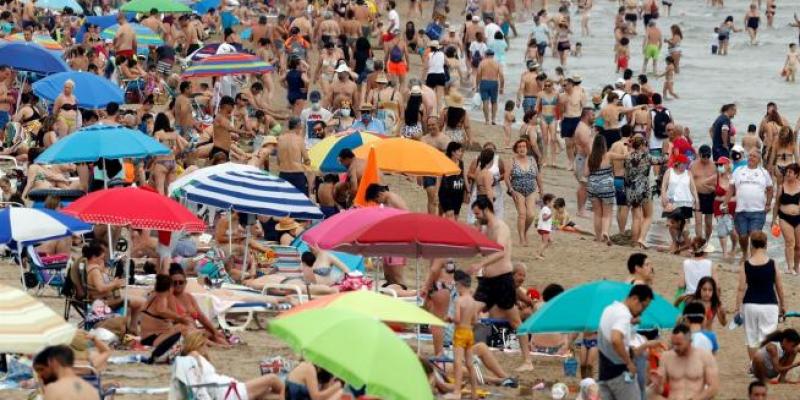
[[27, 325], [409, 157]]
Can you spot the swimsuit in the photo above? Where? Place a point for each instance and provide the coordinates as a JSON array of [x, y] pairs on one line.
[[789, 199], [524, 181], [651, 51], [550, 104], [752, 22], [463, 337]]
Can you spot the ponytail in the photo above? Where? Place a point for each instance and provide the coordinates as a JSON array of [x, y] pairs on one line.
[[781, 335]]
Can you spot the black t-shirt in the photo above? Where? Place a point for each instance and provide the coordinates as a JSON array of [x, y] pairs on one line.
[[716, 130]]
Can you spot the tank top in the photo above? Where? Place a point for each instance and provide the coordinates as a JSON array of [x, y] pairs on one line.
[[294, 83], [693, 271], [760, 283], [679, 191]]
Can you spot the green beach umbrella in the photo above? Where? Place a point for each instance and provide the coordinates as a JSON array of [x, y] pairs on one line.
[[579, 310], [357, 349], [163, 6]]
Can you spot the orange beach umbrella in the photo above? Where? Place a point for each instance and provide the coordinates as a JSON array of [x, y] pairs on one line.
[[411, 157]]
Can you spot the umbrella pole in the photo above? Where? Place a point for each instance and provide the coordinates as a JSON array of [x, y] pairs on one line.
[[230, 233], [108, 226], [419, 329], [246, 250], [127, 270], [21, 268]]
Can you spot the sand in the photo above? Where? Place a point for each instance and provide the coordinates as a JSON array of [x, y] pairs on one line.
[[748, 76]]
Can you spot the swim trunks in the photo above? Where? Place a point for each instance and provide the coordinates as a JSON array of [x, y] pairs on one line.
[[497, 291], [488, 90], [463, 337], [651, 51]]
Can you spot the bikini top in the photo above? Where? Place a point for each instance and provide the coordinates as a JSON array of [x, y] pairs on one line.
[[787, 198]]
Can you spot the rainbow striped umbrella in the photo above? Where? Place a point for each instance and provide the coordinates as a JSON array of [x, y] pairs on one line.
[[144, 36], [43, 40], [28, 325], [227, 64]]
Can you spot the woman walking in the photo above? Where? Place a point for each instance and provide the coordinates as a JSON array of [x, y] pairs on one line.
[[786, 214], [523, 182], [637, 189], [600, 188], [453, 188]]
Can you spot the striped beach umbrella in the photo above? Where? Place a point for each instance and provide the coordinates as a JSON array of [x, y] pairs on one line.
[[252, 193], [227, 64], [144, 36], [325, 154], [43, 40], [28, 325]]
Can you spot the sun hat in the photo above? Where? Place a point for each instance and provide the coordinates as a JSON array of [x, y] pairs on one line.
[[287, 224], [454, 100]]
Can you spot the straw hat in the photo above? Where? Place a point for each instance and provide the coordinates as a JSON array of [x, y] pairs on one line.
[[454, 100], [80, 345], [269, 139], [287, 224]]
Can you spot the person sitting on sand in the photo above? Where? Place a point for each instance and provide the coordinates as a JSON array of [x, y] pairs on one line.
[[186, 305], [85, 355], [776, 356], [53, 366], [159, 318], [307, 381]]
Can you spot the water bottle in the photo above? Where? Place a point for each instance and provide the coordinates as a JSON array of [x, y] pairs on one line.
[[736, 322]]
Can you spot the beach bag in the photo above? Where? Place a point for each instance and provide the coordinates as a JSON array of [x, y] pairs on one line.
[[354, 281], [660, 121], [396, 54]]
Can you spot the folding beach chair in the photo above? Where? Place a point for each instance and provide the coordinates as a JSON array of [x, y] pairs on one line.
[[74, 291], [93, 377], [48, 274]]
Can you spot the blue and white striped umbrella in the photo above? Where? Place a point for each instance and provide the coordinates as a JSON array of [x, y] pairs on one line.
[[32, 225], [252, 193]]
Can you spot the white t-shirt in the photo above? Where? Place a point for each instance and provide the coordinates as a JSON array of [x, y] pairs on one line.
[[436, 63], [545, 224], [480, 47], [394, 19], [309, 116], [701, 341], [490, 30], [693, 271], [751, 188], [616, 317]]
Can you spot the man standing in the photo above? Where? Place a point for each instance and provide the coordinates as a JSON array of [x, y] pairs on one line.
[[651, 46], [489, 79], [691, 372], [343, 88], [355, 169], [125, 39], [617, 370], [571, 103], [496, 285], [752, 187], [529, 87], [54, 365], [184, 122], [311, 115], [293, 157], [583, 146], [721, 132], [704, 174]]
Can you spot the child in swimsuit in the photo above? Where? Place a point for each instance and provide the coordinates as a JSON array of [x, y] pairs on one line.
[[622, 54], [508, 120], [466, 315]]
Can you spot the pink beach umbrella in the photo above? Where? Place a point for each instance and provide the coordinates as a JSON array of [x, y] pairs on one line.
[[334, 229]]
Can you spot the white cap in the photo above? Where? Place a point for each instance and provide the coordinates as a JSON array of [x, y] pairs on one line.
[[738, 148], [342, 68], [620, 82]]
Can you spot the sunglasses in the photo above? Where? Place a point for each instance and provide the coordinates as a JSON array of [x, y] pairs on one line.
[[179, 282]]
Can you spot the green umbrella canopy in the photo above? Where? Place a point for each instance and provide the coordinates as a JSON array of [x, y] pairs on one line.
[[163, 6], [357, 349], [579, 310]]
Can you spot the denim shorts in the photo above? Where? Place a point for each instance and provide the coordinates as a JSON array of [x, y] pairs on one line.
[[747, 222], [724, 225]]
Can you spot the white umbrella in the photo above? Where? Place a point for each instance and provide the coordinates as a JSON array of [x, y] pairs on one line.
[[28, 326]]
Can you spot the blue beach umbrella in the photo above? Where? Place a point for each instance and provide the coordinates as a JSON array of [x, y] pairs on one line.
[[59, 5], [91, 91], [102, 141], [144, 36], [579, 310], [31, 57]]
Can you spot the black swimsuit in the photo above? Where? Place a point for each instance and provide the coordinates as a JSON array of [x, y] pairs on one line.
[[788, 199]]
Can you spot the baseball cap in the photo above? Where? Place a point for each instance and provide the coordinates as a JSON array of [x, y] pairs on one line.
[[704, 150], [738, 149], [680, 159], [620, 82], [723, 160]]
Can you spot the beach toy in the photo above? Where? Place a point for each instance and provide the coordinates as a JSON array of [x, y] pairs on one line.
[[776, 230], [559, 391]]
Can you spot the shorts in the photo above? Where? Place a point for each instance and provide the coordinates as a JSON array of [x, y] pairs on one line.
[[589, 343], [428, 181], [451, 200], [4, 118], [215, 150], [397, 68], [540, 48], [612, 136], [651, 51], [580, 164], [489, 90], [747, 222], [680, 213], [619, 191], [297, 179], [294, 97], [759, 321], [563, 46], [497, 291], [656, 153], [542, 232], [434, 80], [706, 203], [463, 338], [718, 152], [646, 18], [568, 126], [631, 17], [528, 104], [724, 225]]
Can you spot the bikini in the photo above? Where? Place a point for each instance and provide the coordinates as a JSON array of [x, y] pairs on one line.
[[789, 199]]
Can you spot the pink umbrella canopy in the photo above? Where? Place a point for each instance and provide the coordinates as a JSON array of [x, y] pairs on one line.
[[417, 235], [339, 226]]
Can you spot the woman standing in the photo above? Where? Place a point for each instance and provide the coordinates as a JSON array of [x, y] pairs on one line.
[[724, 36], [679, 200], [164, 167], [787, 211], [751, 19], [296, 82], [455, 123], [600, 188], [546, 107], [760, 295], [696, 267], [610, 114], [413, 114], [453, 188], [563, 44], [674, 46], [523, 182], [724, 218], [637, 189], [497, 171], [783, 152]]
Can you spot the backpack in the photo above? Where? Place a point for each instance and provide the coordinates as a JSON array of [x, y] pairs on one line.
[[476, 59], [395, 54], [660, 120]]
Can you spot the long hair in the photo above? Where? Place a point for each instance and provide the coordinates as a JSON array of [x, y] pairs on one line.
[[785, 136], [599, 150], [788, 334], [715, 301], [485, 158]]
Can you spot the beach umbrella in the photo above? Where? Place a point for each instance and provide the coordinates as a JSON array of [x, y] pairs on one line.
[[357, 349], [163, 6], [251, 193], [411, 157], [59, 5], [183, 180], [579, 310], [418, 235], [31, 57], [101, 141], [43, 40], [324, 155], [202, 7], [91, 91], [24, 226], [227, 64], [28, 325], [209, 50], [371, 304], [335, 229], [144, 36]]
